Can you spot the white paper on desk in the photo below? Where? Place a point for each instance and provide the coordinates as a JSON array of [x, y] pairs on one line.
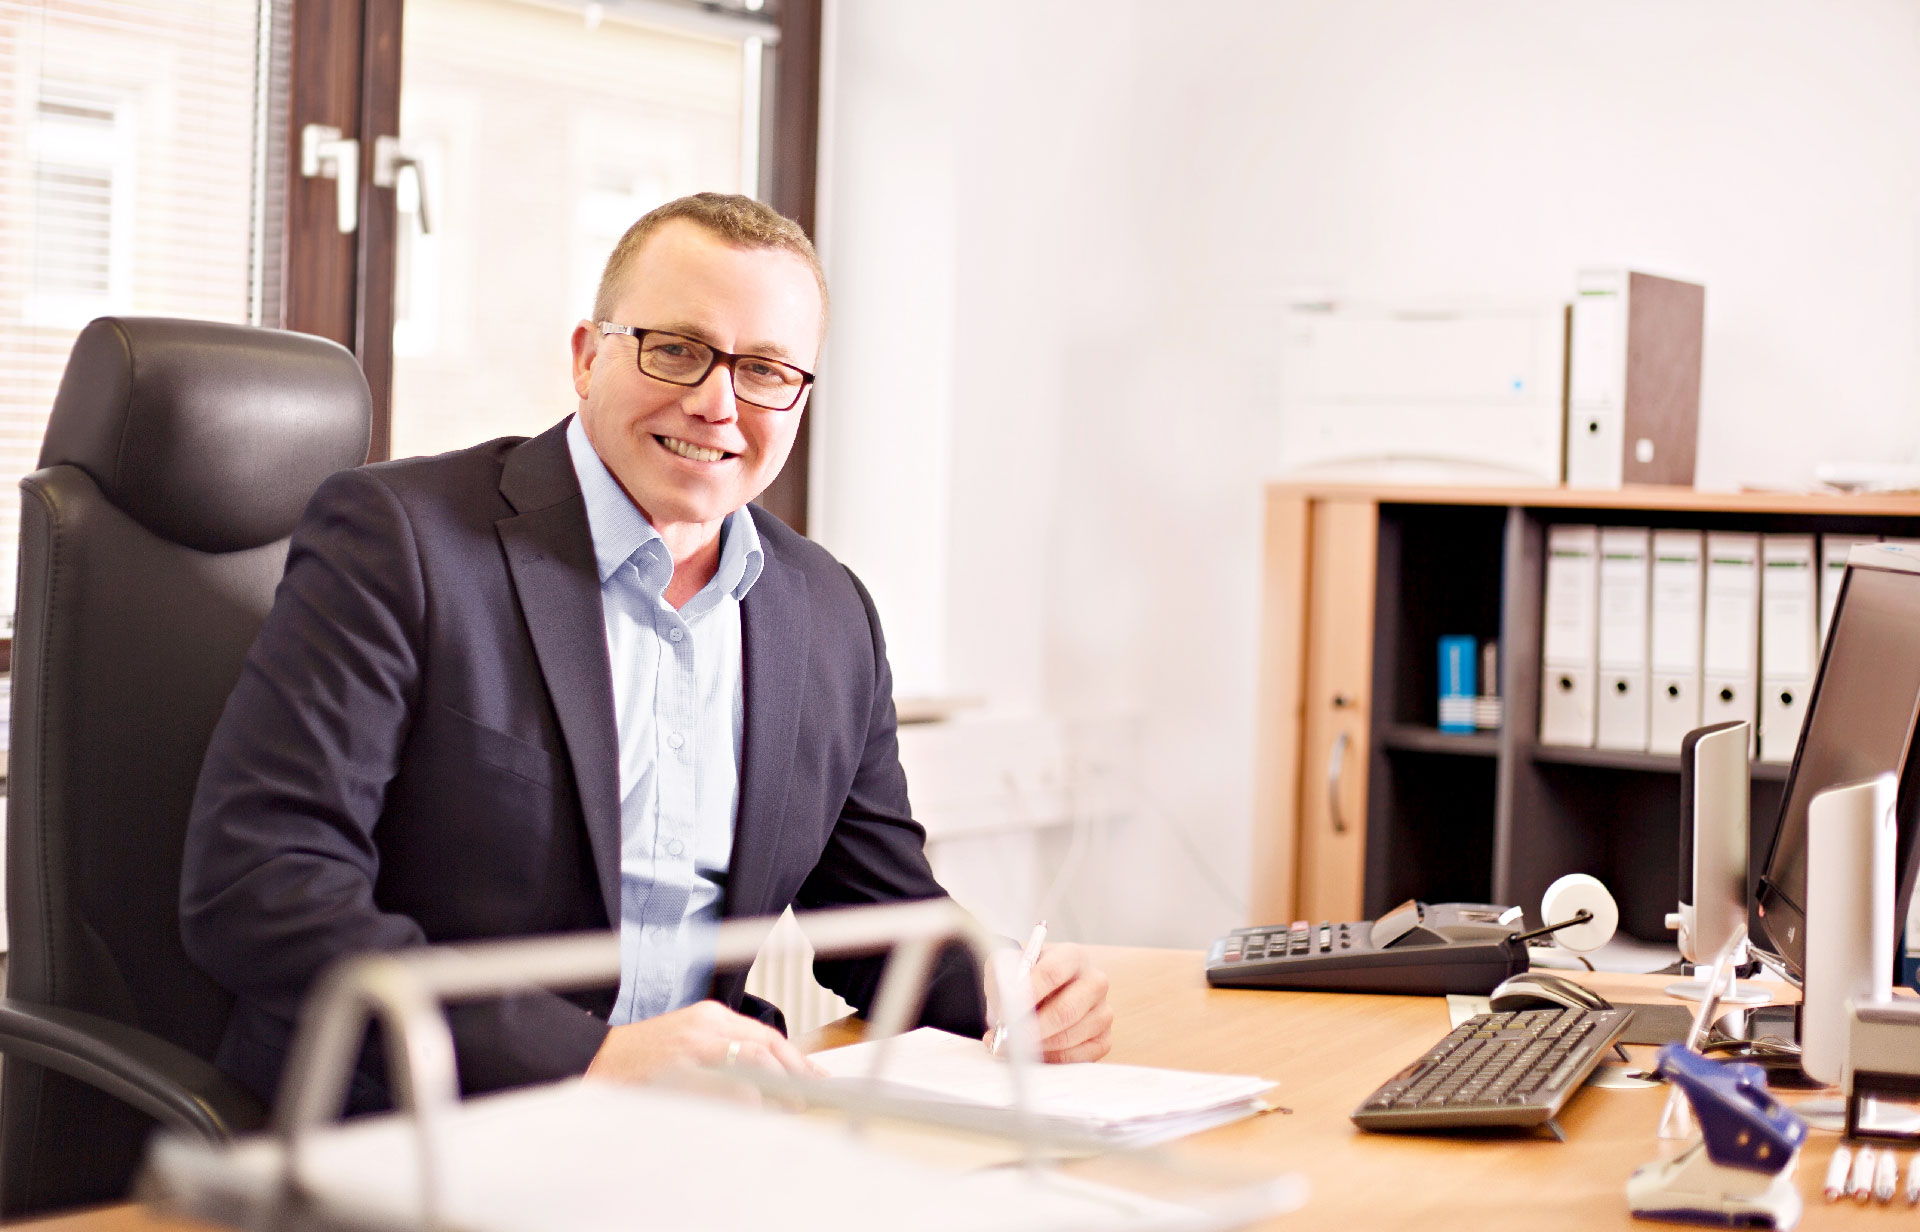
[[1124, 1105]]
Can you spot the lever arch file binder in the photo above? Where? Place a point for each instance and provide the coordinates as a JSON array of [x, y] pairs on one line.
[[1679, 585], [593, 1155], [1633, 385], [1730, 646], [1458, 686], [1624, 581], [1833, 567], [1569, 637], [1788, 636]]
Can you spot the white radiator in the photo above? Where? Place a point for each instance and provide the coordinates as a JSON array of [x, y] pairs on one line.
[[783, 974]]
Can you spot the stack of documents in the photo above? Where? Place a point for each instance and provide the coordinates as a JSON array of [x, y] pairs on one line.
[[1115, 1105]]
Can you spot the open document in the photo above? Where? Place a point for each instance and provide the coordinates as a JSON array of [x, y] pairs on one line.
[[1115, 1105]]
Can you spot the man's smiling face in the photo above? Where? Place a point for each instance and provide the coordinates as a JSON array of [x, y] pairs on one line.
[[689, 456]]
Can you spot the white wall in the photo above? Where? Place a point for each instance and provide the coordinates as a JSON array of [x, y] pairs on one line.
[[1083, 219]]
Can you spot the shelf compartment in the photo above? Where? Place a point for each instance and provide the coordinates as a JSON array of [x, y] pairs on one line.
[[1646, 763], [1432, 838], [1416, 738]]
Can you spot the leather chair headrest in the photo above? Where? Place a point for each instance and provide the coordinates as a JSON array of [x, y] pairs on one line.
[[153, 409]]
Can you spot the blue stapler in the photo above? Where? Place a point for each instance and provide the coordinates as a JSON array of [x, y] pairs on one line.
[[1739, 1172]]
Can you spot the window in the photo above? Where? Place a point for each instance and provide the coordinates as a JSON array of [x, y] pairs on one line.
[[82, 165], [144, 168], [541, 132], [129, 138]]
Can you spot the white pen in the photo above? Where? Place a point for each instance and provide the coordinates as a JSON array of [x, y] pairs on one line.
[[1913, 1182], [1860, 1183], [1029, 954], [1837, 1169], [1886, 1175]]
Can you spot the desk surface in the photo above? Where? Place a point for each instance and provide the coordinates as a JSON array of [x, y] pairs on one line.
[[1328, 1052]]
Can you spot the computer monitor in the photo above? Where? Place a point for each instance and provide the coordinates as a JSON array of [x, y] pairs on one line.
[[1860, 723]]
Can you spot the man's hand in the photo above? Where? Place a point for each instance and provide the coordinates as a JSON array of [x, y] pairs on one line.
[[702, 1034], [1072, 1017]]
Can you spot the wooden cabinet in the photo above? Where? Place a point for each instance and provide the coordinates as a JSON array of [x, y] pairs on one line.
[[1361, 801]]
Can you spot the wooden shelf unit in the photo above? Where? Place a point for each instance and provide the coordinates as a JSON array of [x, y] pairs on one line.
[[1361, 801]]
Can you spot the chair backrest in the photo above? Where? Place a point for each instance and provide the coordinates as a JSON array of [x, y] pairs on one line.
[[177, 459]]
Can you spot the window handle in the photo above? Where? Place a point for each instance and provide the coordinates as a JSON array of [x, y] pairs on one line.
[[391, 163], [326, 155]]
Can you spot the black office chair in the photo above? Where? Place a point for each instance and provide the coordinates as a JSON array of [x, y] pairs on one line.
[[177, 459]]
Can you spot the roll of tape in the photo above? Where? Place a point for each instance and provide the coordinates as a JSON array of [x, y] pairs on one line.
[[1568, 897]]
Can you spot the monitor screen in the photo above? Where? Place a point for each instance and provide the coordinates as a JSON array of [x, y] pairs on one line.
[[1860, 723]]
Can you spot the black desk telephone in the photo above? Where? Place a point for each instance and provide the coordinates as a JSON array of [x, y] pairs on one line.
[[1417, 948]]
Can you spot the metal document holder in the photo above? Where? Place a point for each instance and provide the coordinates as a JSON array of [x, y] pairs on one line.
[[270, 1182]]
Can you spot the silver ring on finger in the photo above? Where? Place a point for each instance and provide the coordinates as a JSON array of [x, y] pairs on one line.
[[733, 1053]]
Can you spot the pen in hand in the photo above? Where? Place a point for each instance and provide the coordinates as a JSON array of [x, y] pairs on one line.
[[1029, 954]]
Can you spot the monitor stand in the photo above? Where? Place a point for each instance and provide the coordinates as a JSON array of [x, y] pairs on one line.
[[1781, 1023], [1739, 992], [1715, 823]]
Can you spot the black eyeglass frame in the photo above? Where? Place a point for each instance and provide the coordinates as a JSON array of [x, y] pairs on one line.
[[719, 356]]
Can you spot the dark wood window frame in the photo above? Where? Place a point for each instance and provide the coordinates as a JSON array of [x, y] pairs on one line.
[[346, 73]]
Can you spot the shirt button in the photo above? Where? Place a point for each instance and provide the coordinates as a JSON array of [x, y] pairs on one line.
[[676, 634], [675, 740], [675, 846]]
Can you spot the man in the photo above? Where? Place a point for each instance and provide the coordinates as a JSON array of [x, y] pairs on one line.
[[572, 682]]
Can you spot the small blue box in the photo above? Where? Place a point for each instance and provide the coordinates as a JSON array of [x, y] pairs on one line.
[[1458, 659]]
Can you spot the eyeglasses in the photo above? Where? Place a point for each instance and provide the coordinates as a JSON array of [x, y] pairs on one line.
[[679, 360]]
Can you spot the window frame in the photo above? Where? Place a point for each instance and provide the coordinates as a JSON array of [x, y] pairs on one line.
[[346, 73]]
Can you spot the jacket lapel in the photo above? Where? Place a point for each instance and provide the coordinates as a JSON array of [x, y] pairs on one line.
[[549, 550], [774, 633]]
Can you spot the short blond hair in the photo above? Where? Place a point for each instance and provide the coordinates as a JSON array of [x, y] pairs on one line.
[[740, 221]]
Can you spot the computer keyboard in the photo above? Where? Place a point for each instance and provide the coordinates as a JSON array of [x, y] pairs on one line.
[[1515, 1068]]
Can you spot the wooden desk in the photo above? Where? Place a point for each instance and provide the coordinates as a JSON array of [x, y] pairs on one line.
[[1328, 1052]]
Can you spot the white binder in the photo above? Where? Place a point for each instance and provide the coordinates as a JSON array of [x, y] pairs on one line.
[[1789, 632], [1569, 635], [1633, 379], [1679, 583], [1730, 641], [1833, 567], [1624, 581], [574, 1155]]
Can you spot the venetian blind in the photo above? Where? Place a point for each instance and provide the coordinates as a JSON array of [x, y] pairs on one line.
[[140, 172]]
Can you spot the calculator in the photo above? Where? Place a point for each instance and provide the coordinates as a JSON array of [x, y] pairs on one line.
[[1417, 948]]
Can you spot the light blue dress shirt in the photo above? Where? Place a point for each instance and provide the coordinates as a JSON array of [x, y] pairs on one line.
[[679, 711]]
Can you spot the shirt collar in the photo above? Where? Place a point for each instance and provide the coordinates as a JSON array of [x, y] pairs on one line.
[[619, 530]]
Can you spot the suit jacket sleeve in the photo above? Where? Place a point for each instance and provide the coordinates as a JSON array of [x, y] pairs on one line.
[[877, 853], [280, 865]]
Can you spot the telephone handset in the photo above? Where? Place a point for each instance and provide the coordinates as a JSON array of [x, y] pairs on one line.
[[1417, 948]]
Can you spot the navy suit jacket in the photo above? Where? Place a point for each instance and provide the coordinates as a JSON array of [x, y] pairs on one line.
[[421, 748]]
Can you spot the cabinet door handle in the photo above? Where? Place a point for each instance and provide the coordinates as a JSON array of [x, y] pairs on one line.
[[1336, 760]]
